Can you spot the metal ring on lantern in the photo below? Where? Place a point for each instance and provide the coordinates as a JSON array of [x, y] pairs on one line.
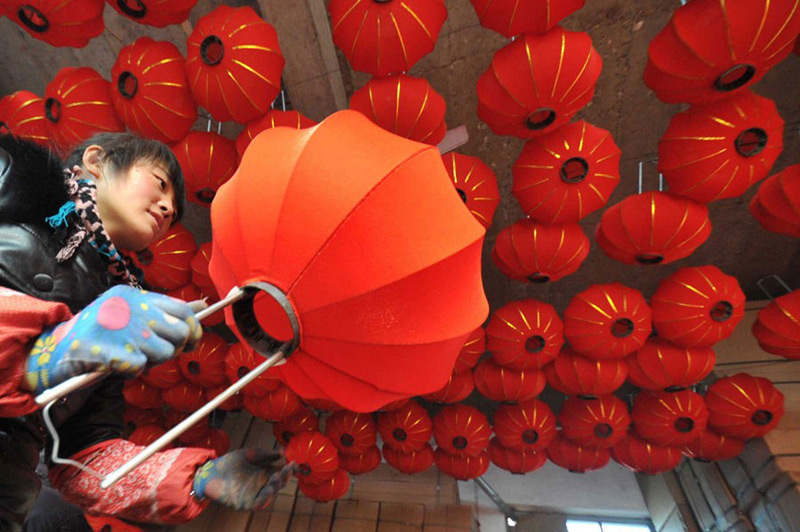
[[735, 77], [751, 142], [212, 50], [540, 118], [138, 10], [568, 171], [247, 323], [128, 85], [33, 18], [52, 110]]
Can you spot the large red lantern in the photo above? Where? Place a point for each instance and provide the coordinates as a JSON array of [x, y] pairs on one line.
[[512, 17], [697, 307], [274, 118], [661, 365], [240, 360], [350, 432], [411, 462], [184, 397], [315, 455], [352, 202], [527, 427], [474, 347], [205, 364], [77, 102], [388, 36], [537, 83], [461, 467], [776, 205], [207, 160], [607, 321], [671, 419], [476, 185], [710, 446], [234, 63], [743, 406], [304, 420], [404, 105], [524, 334], [719, 150], [653, 228], [158, 13], [150, 91], [777, 326], [565, 175], [462, 430], [711, 49], [573, 374], [516, 462], [641, 456], [167, 263], [458, 388], [72, 23], [406, 429], [22, 115], [575, 458], [594, 423], [361, 463], [503, 384], [328, 490], [538, 253]]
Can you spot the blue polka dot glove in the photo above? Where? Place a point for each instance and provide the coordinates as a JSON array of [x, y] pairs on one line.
[[120, 331]]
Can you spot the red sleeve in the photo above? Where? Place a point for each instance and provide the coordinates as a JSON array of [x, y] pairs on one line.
[[22, 318], [158, 491]]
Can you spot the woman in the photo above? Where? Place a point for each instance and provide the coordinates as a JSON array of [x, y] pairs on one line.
[[63, 234]]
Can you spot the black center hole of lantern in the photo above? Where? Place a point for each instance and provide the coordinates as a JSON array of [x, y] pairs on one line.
[[4, 130], [735, 77], [304, 469], [534, 344], [684, 424], [530, 436], [538, 278], [722, 311], [574, 170], [132, 8], [381, 1], [194, 367], [242, 371], [52, 110], [603, 430], [751, 141], [145, 256], [649, 258], [622, 327], [761, 418], [212, 50], [462, 195], [287, 435], [347, 440], [540, 118], [399, 435], [460, 442], [206, 195], [33, 19], [127, 84]]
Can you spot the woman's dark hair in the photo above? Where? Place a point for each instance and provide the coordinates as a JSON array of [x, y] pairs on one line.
[[122, 150]]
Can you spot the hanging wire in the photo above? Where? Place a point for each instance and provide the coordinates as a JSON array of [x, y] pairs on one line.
[[760, 284], [57, 443]]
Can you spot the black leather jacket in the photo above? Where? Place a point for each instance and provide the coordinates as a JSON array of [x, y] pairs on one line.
[[31, 188]]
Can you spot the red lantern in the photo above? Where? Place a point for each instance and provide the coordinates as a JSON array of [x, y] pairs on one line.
[[276, 405], [462, 430], [476, 185], [697, 307], [386, 37], [322, 405], [199, 265], [158, 13], [471, 352], [231, 404], [607, 321], [195, 432], [361, 463], [537, 83], [671, 419], [461, 467], [189, 293], [524, 334], [565, 175], [141, 395], [512, 17], [150, 91], [406, 429], [538, 253], [777, 326], [207, 160], [719, 150], [458, 388], [350, 432], [72, 23], [711, 446], [653, 228], [776, 205], [412, 462], [304, 420], [503, 384], [594, 423], [77, 102], [22, 115], [214, 439], [205, 364], [743, 406], [394, 405], [315, 455], [166, 264], [234, 63], [573, 374], [516, 462], [147, 434], [184, 397], [239, 361], [711, 49], [403, 105], [527, 427], [641, 456], [661, 365], [328, 490], [373, 235], [136, 417], [274, 118], [164, 375], [575, 458]]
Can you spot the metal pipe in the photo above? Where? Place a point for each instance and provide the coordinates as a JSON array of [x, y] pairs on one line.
[[507, 511]]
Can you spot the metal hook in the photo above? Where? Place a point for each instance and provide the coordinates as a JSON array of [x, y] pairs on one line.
[[760, 284]]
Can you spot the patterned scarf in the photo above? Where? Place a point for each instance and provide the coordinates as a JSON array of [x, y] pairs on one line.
[[87, 225]]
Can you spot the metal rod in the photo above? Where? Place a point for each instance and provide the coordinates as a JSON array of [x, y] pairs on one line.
[[501, 504], [748, 362], [760, 284], [640, 176]]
